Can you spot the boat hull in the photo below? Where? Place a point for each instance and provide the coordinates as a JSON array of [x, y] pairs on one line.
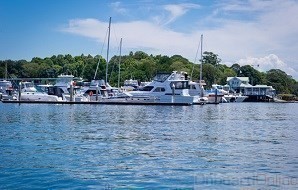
[[33, 96]]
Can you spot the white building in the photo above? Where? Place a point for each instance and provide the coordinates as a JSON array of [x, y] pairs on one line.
[[241, 85], [235, 83]]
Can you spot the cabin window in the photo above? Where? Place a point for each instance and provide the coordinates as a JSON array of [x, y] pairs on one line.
[[159, 89], [180, 84], [147, 88]]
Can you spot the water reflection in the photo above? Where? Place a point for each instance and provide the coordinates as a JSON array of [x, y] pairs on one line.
[[95, 146]]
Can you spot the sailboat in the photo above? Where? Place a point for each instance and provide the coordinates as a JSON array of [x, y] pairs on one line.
[[211, 97], [100, 89]]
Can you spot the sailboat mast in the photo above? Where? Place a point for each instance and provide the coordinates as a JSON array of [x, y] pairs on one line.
[[119, 64], [108, 50], [201, 68], [5, 71], [193, 66]]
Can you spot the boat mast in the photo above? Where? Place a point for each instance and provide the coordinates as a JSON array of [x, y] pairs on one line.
[[193, 66], [119, 64], [201, 67], [5, 77], [108, 50]]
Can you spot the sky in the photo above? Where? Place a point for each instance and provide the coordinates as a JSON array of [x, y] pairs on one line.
[[260, 33]]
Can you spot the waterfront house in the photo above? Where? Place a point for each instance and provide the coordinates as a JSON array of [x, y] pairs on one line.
[[254, 93], [237, 84]]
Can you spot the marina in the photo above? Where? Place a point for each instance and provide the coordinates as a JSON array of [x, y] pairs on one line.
[[87, 104]]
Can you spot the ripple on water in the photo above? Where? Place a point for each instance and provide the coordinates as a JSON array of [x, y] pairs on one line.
[[166, 147]]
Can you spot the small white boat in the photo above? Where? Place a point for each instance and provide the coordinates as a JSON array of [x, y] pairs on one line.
[[29, 93], [228, 95]]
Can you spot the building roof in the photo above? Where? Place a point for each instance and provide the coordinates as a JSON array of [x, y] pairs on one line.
[[245, 85], [240, 78], [259, 86], [262, 86]]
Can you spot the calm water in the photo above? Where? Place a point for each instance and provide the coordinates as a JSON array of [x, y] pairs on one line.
[[226, 146]]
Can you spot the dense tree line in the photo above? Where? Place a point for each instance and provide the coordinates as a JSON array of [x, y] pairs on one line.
[[143, 67]]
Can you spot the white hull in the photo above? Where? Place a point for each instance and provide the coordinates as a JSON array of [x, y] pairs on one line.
[[35, 96], [76, 98], [240, 98], [235, 98], [165, 98]]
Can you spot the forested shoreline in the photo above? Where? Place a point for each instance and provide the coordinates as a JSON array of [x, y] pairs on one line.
[[143, 67]]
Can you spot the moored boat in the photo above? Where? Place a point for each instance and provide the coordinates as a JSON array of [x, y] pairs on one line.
[[6, 90], [168, 87], [30, 93]]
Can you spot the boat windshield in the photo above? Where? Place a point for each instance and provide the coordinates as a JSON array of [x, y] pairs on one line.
[[97, 83], [161, 77], [130, 82], [27, 85], [63, 80], [5, 84]]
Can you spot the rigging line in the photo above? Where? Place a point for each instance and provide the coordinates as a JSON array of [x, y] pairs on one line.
[[100, 54], [193, 65]]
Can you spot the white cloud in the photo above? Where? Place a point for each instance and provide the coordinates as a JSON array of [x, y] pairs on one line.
[[266, 63], [250, 5], [271, 29], [136, 35], [117, 7], [91, 28], [267, 38], [177, 10]]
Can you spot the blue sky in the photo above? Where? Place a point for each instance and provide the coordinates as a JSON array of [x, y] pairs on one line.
[[251, 32]]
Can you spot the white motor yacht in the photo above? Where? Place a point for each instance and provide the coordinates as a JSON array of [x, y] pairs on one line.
[[30, 93], [168, 87], [63, 90]]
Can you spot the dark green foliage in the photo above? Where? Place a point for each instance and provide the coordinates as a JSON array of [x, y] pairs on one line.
[[143, 67], [210, 58], [281, 81]]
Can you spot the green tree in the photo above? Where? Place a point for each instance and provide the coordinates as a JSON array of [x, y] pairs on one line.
[[209, 74], [280, 81], [143, 67], [223, 75], [210, 58], [254, 75], [236, 68]]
